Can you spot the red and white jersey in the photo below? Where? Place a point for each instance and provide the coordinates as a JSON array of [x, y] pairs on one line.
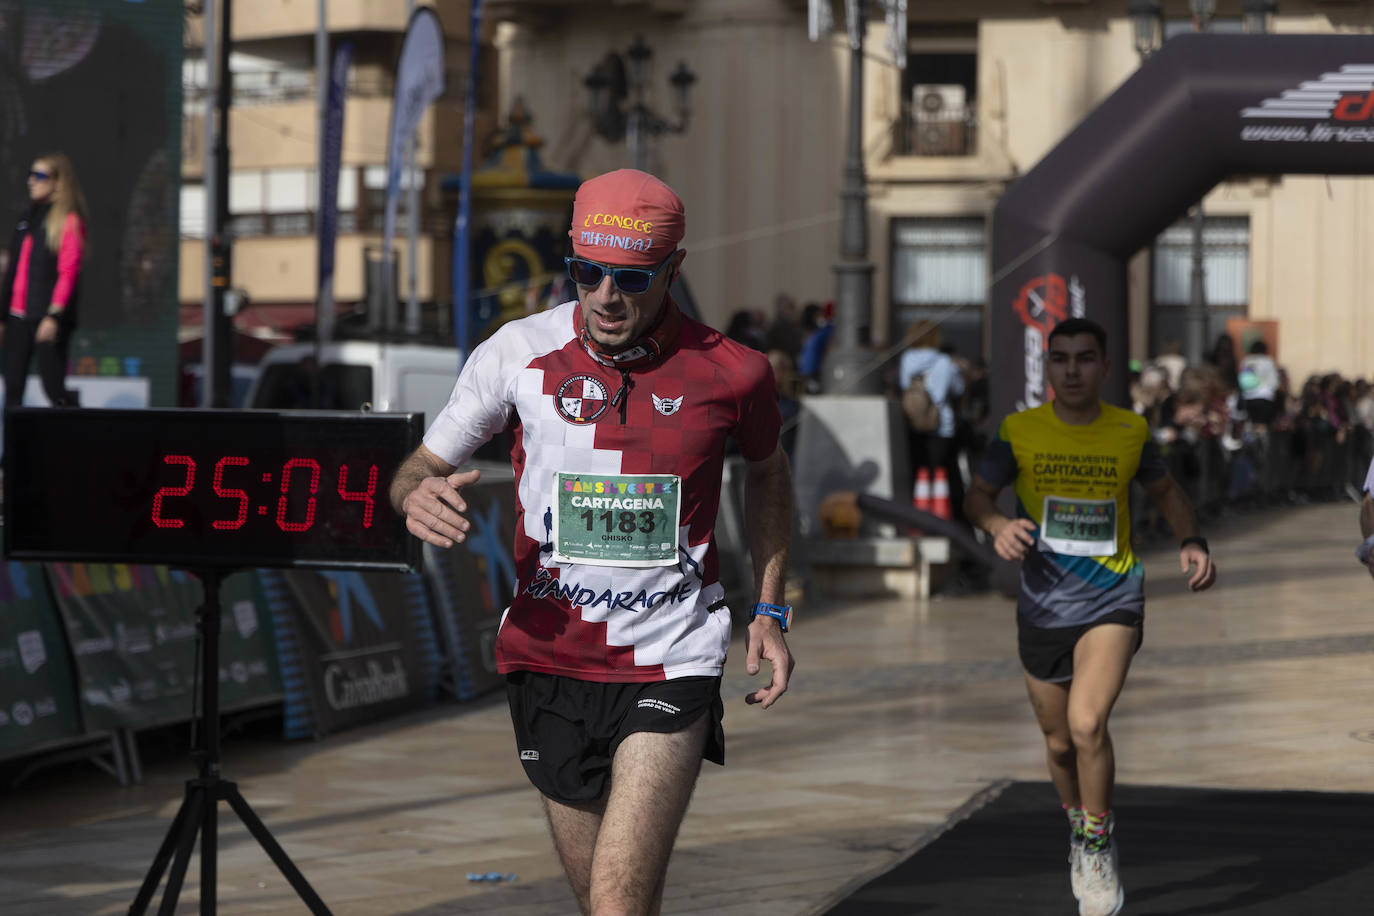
[[598, 622]]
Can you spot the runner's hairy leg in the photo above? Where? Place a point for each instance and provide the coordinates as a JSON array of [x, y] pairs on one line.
[[652, 779], [574, 829]]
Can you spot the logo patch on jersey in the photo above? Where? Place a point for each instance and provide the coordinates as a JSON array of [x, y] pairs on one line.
[[581, 399], [529, 755], [667, 406]]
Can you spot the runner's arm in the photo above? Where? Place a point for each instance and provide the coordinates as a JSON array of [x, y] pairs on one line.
[[426, 491], [1172, 502], [1367, 518], [768, 524], [1367, 529], [1011, 537], [980, 506]]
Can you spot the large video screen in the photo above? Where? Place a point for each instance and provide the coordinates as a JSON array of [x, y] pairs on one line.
[[100, 80]]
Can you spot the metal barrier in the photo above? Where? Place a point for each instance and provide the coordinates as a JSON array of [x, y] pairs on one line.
[[1269, 468]]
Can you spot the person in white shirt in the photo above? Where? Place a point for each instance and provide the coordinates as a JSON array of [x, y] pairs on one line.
[[1259, 384], [935, 448]]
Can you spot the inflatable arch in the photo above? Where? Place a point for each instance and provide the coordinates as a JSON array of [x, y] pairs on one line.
[[1203, 108]]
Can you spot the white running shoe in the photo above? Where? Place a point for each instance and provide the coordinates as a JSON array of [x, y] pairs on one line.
[[1076, 865], [1103, 894]]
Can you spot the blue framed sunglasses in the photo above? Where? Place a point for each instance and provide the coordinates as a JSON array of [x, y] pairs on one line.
[[626, 279]]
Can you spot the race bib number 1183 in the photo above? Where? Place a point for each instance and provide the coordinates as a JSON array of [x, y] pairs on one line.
[[616, 519]]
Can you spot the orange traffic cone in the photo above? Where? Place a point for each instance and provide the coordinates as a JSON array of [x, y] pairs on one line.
[[920, 497], [939, 499]]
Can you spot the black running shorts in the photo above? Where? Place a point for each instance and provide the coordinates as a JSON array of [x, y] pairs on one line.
[[567, 731], [1047, 652]]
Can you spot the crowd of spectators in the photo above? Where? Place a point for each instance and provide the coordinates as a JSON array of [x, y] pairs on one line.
[[1267, 436], [795, 342], [1235, 428]]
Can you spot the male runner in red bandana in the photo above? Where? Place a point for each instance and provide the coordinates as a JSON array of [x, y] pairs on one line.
[[614, 644]]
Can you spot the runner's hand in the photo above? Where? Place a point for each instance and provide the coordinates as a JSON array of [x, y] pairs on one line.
[[1014, 539], [1206, 571], [434, 509], [764, 639]]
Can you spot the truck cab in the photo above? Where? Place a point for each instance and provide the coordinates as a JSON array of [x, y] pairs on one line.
[[355, 375]]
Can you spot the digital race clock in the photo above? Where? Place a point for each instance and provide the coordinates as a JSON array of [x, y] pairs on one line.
[[207, 488]]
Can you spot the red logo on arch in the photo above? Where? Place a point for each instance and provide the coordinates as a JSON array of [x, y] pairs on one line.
[[1043, 302]]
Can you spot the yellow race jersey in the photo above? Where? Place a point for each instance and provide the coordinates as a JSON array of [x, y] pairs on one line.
[[1074, 483]]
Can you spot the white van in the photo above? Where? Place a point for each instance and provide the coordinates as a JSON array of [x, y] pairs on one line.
[[358, 375]]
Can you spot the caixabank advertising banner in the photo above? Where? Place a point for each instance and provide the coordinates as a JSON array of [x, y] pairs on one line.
[[132, 631], [37, 695], [353, 647], [472, 585]]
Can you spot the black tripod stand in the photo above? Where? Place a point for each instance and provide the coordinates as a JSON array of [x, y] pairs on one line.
[[200, 809]]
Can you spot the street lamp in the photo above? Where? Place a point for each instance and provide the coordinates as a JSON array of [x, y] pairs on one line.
[[1195, 338], [606, 85], [846, 368], [614, 82], [1147, 26], [682, 80]]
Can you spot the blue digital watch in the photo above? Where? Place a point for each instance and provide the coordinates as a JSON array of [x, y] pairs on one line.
[[781, 613]]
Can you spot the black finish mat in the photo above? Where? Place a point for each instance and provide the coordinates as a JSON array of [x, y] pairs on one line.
[[1184, 852]]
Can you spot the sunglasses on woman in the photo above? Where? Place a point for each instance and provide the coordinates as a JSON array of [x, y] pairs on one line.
[[39, 176], [626, 279]]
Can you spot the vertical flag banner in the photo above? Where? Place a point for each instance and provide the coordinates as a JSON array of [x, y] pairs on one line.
[[894, 12], [329, 189], [819, 20], [462, 288], [419, 81]]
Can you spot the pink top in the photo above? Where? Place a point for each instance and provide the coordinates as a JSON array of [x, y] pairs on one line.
[[68, 266]]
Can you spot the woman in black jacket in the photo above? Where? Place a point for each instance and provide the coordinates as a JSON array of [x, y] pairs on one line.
[[40, 288]]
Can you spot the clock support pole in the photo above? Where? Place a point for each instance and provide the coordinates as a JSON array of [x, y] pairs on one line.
[[200, 808]]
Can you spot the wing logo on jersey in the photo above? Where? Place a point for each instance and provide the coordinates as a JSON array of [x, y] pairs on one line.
[[581, 399], [667, 406]]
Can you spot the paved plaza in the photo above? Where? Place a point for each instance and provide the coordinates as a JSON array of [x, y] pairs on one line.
[[901, 714]]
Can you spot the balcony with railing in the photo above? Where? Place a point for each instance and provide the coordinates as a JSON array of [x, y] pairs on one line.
[[938, 121], [284, 86]]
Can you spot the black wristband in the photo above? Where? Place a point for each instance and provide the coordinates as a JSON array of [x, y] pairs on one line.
[[1198, 540]]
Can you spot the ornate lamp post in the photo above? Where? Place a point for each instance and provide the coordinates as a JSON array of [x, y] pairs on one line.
[[618, 81], [844, 370]]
